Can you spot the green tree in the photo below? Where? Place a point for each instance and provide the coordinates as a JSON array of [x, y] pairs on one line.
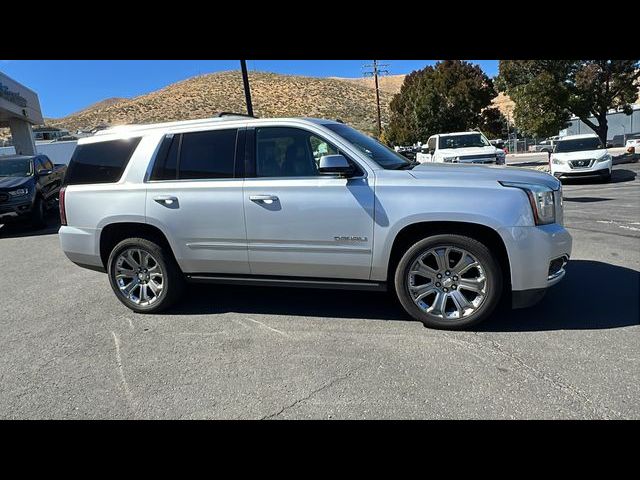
[[493, 122], [449, 96], [547, 93]]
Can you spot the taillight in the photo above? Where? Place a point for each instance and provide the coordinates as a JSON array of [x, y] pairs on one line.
[[63, 213]]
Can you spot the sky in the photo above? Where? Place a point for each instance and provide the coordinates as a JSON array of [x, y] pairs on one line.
[[66, 86]]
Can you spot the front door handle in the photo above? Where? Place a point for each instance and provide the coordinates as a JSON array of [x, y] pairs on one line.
[[267, 199], [166, 200]]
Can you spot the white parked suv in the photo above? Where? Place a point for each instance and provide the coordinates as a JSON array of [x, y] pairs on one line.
[[460, 147], [580, 156], [311, 203]]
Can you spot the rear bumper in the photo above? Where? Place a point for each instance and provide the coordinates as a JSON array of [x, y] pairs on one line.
[[81, 246]]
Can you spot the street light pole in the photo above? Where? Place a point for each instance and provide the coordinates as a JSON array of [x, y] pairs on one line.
[[247, 91]]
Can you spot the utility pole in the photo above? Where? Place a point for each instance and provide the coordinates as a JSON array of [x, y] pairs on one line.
[[375, 72], [247, 91]]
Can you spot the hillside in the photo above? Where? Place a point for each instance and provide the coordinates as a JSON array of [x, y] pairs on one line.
[[101, 104], [273, 95], [387, 83]]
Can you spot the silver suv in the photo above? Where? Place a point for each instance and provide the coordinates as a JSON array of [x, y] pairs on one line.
[[307, 202]]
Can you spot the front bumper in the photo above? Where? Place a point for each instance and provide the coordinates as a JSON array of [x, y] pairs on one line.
[[15, 209], [531, 252], [597, 169]]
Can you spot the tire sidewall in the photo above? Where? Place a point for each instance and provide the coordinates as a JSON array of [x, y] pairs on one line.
[[38, 215], [158, 254], [493, 274]]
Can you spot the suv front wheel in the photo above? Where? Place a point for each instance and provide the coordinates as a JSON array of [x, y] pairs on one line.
[[143, 276], [448, 281]]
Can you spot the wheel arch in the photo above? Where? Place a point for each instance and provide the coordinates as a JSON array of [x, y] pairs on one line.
[[114, 233], [414, 232]]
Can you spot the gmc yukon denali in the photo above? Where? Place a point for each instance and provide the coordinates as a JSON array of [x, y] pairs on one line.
[[311, 203]]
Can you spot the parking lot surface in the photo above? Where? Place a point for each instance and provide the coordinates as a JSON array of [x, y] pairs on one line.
[[69, 349]]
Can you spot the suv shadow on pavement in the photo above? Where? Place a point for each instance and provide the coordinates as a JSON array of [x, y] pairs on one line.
[[593, 295], [618, 175], [25, 229]]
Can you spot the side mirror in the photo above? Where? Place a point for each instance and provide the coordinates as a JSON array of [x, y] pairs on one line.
[[335, 164]]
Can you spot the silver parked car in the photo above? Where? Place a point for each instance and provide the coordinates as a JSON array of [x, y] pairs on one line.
[[307, 202]]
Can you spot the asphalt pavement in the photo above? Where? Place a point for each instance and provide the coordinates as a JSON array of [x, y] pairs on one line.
[[69, 349]]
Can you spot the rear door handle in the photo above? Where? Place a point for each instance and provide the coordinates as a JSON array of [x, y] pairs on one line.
[[268, 199], [166, 200]]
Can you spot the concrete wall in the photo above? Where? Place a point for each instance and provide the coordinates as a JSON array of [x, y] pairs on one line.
[[58, 152]]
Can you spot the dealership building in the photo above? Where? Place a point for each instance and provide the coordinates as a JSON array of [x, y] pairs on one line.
[[19, 110]]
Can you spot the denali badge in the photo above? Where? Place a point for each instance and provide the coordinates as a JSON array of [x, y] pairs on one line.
[[350, 239]]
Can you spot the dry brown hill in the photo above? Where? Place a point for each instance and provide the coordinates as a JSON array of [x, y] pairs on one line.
[[102, 104], [273, 95], [387, 83]]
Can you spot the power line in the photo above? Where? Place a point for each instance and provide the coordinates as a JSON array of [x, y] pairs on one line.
[[374, 72]]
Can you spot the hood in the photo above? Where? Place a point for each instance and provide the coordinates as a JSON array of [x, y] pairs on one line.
[[581, 155], [462, 152], [13, 182], [469, 174]]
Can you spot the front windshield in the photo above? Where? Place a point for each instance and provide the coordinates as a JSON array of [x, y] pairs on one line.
[[15, 168], [376, 151], [463, 141], [578, 145]]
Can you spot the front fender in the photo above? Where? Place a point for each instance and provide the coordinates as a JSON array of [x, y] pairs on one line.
[[399, 207]]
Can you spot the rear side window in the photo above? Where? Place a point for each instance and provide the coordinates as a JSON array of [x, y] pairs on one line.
[[166, 166], [101, 162], [197, 155], [208, 154]]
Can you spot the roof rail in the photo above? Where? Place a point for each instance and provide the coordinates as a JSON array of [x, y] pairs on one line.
[[232, 114]]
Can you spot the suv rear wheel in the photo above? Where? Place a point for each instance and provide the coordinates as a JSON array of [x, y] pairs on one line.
[[143, 276], [448, 281]]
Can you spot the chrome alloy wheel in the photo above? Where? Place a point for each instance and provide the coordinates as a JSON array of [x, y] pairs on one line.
[[447, 282], [139, 276]]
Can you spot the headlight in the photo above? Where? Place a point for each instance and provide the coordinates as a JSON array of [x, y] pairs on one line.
[[604, 158], [21, 192], [541, 199], [557, 161], [450, 159]]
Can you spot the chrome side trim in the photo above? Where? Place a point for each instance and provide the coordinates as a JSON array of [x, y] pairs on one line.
[[266, 247], [216, 246], [307, 248]]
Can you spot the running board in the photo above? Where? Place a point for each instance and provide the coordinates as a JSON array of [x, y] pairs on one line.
[[295, 282]]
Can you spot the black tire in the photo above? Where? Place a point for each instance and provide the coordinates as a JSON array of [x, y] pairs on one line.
[[606, 178], [172, 281], [38, 213], [492, 274]]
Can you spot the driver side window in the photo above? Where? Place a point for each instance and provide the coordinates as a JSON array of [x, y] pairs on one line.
[[289, 152]]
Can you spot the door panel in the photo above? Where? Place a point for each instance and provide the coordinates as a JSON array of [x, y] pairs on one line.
[[309, 227], [204, 221]]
